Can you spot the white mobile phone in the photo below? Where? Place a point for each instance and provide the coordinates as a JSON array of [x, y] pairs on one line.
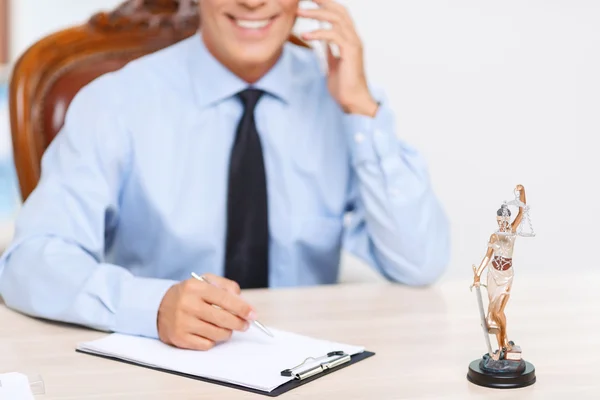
[[304, 25]]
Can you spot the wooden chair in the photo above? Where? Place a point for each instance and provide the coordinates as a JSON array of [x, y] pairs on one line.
[[49, 74]]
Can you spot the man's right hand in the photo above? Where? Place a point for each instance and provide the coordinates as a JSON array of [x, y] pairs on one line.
[[188, 320]]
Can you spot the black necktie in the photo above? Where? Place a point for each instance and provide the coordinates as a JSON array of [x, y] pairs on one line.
[[247, 247]]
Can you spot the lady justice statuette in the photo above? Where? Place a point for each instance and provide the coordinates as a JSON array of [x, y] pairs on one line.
[[503, 368]]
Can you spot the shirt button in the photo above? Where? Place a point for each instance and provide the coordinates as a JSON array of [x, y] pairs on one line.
[[359, 138]]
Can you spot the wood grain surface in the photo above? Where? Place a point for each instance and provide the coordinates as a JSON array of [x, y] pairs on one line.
[[424, 340]]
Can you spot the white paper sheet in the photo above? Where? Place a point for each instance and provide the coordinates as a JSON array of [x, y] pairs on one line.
[[250, 359], [15, 386]]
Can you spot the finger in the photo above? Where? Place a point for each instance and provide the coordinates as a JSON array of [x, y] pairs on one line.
[[194, 303], [227, 284], [192, 285], [229, 302], [326, 35], [207, 330], [331, 5], [322, 15], [221, 318], [348, 22], [337, 8], [332, 61], [337, 23], [193, 342]]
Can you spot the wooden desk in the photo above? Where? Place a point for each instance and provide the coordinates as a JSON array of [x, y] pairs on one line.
[[424, 340]]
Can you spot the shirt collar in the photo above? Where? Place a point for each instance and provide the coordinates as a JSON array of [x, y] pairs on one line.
[[213, 82]]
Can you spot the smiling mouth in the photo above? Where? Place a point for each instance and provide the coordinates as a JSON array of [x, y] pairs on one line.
[[252, 23]]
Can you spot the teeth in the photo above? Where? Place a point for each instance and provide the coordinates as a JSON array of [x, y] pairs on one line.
[[252, 24]]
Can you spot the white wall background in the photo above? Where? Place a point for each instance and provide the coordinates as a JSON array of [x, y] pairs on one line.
[[493, 93], [496, 94], [33, 19]]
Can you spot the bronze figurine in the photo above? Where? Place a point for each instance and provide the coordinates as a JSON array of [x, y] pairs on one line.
[[504, 367]]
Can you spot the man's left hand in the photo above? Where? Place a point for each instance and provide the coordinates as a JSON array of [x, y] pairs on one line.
[[346, 78]]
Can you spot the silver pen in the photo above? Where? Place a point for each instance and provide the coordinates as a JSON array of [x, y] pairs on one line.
[[255, 322]]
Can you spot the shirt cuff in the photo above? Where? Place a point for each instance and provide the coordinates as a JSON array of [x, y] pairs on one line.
[[371, 139], [138, 306]]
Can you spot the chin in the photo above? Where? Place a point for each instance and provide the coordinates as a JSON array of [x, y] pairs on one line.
[[256, 54]]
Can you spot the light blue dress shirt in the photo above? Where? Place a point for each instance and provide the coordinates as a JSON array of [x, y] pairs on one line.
[[132, 196]]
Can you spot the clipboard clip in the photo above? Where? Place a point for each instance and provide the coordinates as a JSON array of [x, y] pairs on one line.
[[333, 359]]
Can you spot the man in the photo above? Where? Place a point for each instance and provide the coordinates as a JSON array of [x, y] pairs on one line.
[[228, 155]]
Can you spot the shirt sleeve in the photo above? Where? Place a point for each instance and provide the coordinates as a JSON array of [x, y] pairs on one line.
[[397, 224], [56, 267]]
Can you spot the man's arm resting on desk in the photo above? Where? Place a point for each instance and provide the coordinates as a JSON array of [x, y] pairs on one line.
[[55, 267], [398, 225], [50, 278]]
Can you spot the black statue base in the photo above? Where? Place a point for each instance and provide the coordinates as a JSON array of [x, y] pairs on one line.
[[501, 366], [501, 374]]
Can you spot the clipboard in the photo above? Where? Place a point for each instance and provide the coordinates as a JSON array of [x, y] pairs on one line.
[[325, 365]]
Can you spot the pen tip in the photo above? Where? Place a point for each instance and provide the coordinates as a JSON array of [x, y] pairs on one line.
[[263, 328]]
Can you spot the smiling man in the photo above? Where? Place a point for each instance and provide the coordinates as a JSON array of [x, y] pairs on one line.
[[230, 155]]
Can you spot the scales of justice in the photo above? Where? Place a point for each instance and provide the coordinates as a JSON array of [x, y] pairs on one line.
[[503, 368]]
